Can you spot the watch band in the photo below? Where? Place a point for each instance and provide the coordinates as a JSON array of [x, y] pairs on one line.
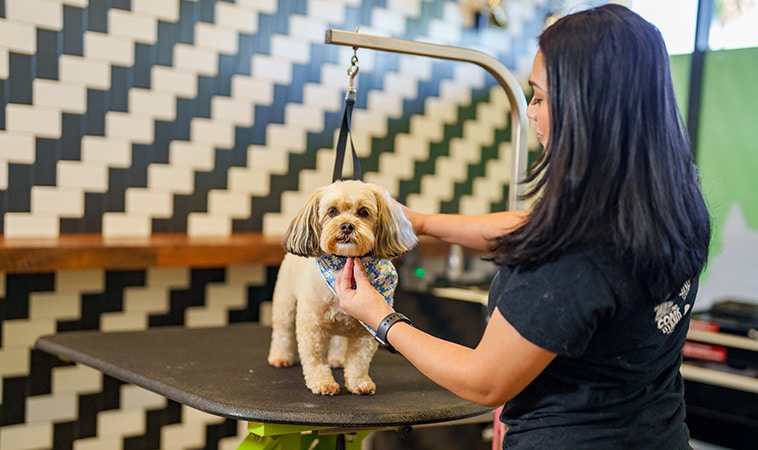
[[384, 327]]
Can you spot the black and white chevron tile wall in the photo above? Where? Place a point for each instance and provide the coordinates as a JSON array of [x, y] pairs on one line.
[[209, 117]]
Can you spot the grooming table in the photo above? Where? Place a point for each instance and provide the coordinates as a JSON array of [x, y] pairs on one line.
[[223, 371]]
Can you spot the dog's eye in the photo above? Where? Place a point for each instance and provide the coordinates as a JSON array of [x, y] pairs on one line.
[[363, 212], [332, 212]]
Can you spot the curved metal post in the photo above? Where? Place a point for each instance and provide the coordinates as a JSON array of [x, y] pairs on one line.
[[519, 129]]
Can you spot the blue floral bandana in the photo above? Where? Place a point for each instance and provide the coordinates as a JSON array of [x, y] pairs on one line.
[[381, 274]]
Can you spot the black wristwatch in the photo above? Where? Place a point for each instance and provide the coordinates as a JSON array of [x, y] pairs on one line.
[[384, 327]]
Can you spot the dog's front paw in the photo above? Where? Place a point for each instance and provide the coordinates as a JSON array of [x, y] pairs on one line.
[[331, 388], [280, 362], [364, 387]]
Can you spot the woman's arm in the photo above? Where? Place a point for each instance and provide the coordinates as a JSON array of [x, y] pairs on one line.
[[501, 365], [472, 231]]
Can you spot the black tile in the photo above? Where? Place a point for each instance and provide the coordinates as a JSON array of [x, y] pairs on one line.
[[46, 161], [73, 30], [145, 57], [97, 16], [122, 4], [189, 14], [49, 48], [20, 78], [19, 187], [96, 109], [71, 136], [3, 102], [121, 83], [208, 11]]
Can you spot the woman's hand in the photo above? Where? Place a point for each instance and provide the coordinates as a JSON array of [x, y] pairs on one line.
[[357, 296]]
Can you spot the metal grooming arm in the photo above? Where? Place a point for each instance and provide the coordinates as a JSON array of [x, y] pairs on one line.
[[519, 128]]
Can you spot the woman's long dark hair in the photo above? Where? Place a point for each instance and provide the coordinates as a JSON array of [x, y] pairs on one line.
[[618, 167]]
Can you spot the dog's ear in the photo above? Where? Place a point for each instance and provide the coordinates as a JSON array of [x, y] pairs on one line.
[[394, 232], [302, 235]]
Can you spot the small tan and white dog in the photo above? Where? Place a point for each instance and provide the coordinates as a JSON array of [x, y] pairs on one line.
[[343, 219]]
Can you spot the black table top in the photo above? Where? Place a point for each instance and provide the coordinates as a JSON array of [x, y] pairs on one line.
[[223, 371]]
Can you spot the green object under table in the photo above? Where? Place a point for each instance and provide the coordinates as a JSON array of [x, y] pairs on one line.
[[223, 371]]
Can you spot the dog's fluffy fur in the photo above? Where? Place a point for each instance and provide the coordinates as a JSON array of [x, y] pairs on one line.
[[345, 218]]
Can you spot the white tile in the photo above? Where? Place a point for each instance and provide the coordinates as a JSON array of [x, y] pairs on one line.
[[42, 122], [276, 70], [232, 110], [168, 79], [229, 203], [87, 176], [4, 63], [146, 301], [27, 225], [121, 422], [80, 281], [197, 60], [54, 306], [154, 202], [14, 362], [290, 49], [107, 151], [94, 74], [118, 321], [323, 96], [142, 29], [59, 408], [250, 274], [231, 16], [23, 333], [18, 37], [139, 130], [65, 202], [78, 379], [154, 104], [166, 10], [17, 147], [113, 49], [216, 38], [264, 6], [225, 297], [67, 97], [77, 3], [100, 442], [122, 225], [134, 397], [27, 435], [327, 10], [260, 91], [42, 14], [221, 135], [177, 179], [168, 277], [201, 224], [310, 28], [304, 116], [198, 317], [200, 156]]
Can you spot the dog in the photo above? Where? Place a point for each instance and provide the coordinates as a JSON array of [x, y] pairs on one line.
[[344, 219]]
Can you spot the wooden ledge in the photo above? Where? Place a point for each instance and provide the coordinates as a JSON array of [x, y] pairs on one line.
[[93, 251]]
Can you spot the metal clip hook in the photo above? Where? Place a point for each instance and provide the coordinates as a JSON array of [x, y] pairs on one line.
[[352, 72]]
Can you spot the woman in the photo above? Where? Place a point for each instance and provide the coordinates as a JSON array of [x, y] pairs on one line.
[[590, 306]]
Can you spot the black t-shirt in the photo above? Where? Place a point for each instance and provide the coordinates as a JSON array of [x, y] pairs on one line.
[[615, 382]]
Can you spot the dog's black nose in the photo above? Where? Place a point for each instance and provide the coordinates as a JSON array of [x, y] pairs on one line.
[[347, 228]]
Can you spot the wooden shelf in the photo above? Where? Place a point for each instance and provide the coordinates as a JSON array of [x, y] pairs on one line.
[[92, 251]]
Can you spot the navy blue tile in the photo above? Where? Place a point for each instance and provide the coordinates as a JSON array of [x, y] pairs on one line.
[[145, 57], [20, 178], [73, 30], [97, 16], [122, 4], [46, 160], [49, 48], [168, 35], [71, 136], [189, 14], [121, 81], [96, 109], [208, 11], [20, 78], [3, 102]]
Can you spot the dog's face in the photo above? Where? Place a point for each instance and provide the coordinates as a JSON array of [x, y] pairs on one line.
[[350, 218]]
